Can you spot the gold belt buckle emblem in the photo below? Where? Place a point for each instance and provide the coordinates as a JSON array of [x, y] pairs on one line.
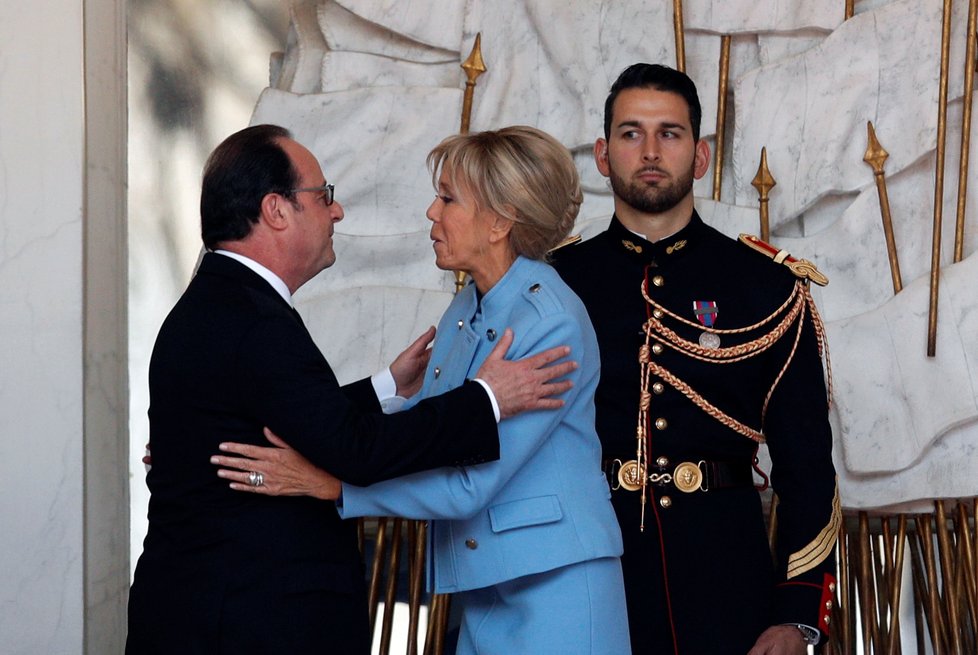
[[687, 477], [630, 476]]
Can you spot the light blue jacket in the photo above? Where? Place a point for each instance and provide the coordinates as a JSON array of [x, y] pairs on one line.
[[545, 503]]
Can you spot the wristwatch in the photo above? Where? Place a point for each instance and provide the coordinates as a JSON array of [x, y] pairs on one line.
[[810, 635]]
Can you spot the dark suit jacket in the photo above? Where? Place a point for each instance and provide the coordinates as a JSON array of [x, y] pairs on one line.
[[225, 571]]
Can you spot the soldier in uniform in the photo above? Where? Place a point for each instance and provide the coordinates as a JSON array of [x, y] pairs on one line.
[[708, 348]]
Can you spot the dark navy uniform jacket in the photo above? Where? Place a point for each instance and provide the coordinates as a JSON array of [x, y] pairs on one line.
[[700, 578]]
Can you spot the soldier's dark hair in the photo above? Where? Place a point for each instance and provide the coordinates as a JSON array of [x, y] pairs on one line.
[[247, 165], [661, 78]]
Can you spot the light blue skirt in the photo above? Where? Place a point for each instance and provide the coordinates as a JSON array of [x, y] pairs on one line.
[[574, 610]]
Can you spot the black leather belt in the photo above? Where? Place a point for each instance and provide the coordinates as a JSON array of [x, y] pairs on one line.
[[688, 476]]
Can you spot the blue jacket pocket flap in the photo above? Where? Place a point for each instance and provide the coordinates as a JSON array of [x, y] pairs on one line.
[[525, 512]]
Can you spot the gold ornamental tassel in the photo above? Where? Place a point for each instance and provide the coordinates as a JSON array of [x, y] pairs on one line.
[[633, 475]]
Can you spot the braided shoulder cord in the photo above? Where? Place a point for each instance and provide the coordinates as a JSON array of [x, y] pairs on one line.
[[823, 344], [686, 321], [787, 363], [655, 330], [658, 331], [701, 402]]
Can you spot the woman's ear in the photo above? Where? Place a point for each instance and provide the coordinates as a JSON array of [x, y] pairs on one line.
[[501, 225]]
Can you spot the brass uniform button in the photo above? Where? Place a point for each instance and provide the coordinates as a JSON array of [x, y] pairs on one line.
[[687, 477], [658, 388], [437, 372], [828, 604], [827, 619], [658, 280], [471, 544], [665, 502], [630, 476], [661, 424], [657, 348], [832, 587], [662, 461], [658, 313]]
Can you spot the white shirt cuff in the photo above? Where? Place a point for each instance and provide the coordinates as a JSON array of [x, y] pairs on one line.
[[386, 391], [492, 398]]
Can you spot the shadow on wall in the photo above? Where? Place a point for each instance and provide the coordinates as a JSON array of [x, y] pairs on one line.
[[195, 71]]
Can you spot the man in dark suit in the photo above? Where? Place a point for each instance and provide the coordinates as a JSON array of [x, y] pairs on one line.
[[223, 572], [707, 348]]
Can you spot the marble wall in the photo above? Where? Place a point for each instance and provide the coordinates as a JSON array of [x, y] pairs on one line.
[[371, 86], [63, 501], [40, 387]]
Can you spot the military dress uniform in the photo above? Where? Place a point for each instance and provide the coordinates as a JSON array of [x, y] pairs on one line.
[[708, 348]]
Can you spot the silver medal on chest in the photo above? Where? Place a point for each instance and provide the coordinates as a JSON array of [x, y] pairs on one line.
[[709, 340]]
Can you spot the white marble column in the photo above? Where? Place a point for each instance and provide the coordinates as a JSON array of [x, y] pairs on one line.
[[63, 501]]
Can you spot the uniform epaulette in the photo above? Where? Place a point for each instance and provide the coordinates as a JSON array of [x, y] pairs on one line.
[[802, 268], [574, 238]]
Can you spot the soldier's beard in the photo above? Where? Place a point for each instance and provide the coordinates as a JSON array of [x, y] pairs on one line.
[[652, 199]]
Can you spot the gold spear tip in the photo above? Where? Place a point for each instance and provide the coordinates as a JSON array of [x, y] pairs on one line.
[[474, 66], [459, 280], [875, 154], [763, 181]]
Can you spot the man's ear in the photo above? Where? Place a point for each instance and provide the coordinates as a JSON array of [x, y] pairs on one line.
[[701, 159], [601, 157], [275, 211]]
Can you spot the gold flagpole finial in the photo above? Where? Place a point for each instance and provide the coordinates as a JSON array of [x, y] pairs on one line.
[[474, 66], [764, 182], [875, 156]]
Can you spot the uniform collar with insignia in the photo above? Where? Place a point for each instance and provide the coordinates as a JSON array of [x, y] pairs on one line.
[[661, 250]]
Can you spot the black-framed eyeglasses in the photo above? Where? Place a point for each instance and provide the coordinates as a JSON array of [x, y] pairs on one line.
[[326, 190]]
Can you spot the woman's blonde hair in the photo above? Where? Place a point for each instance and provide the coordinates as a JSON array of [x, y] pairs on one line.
[[520, 173]]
